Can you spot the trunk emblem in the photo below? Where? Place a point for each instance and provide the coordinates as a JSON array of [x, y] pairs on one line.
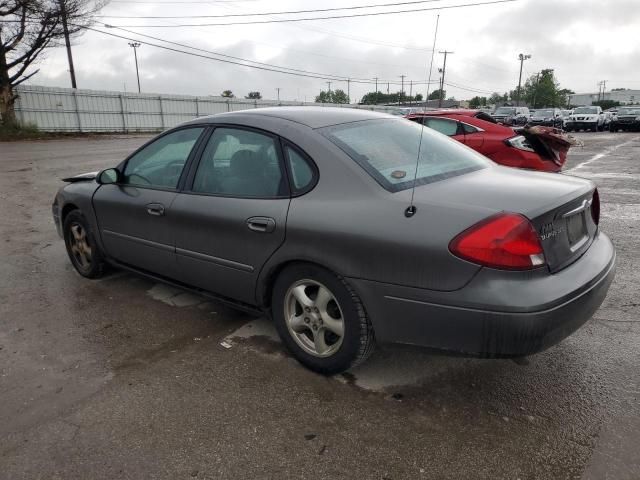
[[548, 231]]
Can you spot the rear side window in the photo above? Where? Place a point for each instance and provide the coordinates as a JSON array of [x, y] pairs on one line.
[[469, 128], [388, 150], [302, 172], [442, 125]]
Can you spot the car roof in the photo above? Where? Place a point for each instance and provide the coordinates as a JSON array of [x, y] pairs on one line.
[[467, 112], [314, 117]]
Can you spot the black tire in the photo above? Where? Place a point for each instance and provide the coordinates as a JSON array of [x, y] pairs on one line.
[[89, 264], [358, 340]]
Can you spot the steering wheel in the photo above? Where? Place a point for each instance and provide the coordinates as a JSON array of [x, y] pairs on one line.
[[144, 179]]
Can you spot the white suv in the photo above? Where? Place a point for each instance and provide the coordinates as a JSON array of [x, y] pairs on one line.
[[586, 118]]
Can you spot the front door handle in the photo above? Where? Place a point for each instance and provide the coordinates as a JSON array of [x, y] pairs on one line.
[[155, 209], [261, 224]]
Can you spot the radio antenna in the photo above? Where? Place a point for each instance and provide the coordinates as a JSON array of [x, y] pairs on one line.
[[411, 209]]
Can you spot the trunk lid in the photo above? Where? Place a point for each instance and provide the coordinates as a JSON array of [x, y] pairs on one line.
[[559, 206]]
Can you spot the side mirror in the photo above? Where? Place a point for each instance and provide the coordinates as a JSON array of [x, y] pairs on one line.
[[108, 176]]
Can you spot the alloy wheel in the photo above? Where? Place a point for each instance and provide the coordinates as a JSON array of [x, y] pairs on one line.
[[314, 318], [79, 245]]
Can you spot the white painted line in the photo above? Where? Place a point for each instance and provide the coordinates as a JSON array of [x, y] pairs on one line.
[[597, 157]]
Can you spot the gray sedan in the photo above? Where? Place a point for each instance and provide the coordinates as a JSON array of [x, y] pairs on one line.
[[348, 228]]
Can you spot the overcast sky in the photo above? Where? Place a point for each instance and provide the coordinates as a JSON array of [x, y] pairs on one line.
[[585, 41]]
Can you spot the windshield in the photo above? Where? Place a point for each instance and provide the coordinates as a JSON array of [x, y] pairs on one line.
[[388, 149], [544, 113], [585, 110], [505, 111], [629, 111]]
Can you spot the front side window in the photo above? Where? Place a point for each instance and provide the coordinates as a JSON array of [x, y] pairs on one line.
[[160, 164], [240, 163], [442, 125], [388, 151]]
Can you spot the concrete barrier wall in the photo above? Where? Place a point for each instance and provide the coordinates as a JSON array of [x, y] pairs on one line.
[[66, 110]]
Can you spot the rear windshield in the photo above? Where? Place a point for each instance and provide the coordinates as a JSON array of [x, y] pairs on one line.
[[629, 111], [505, 111], [388, 150]]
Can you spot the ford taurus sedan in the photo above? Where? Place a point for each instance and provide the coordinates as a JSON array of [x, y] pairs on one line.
[[348, 228]]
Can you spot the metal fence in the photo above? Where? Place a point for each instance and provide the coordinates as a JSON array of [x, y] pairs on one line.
[[68, 110]]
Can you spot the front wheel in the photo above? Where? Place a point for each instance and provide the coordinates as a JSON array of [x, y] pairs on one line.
[[84, 252], [320, 319]]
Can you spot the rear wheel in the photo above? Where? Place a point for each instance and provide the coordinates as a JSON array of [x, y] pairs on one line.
[[84, 253], [320, 319]]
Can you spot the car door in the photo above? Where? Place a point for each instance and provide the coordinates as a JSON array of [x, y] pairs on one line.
[[134, 214], [447, 126], [473, 136], [232, 214]]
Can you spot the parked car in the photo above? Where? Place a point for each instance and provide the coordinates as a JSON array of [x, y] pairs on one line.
[[547, 117], [566, 116], [502, 144], [627, 118], [586, 118], [511, 115], [348, 227]]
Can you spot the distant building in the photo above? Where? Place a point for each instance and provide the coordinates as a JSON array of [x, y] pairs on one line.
[[623, 96]]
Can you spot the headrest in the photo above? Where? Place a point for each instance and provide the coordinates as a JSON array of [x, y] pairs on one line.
[[244, 163]]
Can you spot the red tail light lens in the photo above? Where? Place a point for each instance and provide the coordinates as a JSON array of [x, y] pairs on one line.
[[505, 241], [595, 207]]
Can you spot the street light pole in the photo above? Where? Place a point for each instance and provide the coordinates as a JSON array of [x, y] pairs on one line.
[[135, 46], [444, 71], [522, 57], [278, 90]]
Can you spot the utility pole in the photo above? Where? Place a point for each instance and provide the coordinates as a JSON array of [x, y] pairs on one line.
[[278, 90], [601, 88], [329, 96], [348, 90], [401, 89], [67, 41], [444, 71], [410, 91], [387, 88], [522, 57], [376, 90], [135, 46]]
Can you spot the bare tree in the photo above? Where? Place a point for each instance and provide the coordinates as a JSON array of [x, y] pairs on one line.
[[27, 29]]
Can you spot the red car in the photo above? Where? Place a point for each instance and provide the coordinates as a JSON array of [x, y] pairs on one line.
[[536, 148]]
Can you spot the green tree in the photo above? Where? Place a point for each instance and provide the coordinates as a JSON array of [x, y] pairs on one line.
[[437, 94], [227, 94], [477, 102], [543, 90], [496, 99], [333, 96], [373, 98], [606, 104], [254, 96]]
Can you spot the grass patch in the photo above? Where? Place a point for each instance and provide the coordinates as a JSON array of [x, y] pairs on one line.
[[21, 132]]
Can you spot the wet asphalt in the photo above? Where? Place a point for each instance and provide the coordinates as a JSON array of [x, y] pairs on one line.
[[122, 378]]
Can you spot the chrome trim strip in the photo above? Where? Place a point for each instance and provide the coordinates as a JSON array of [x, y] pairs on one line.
[[218, 261], [148, 243], [585, 204]]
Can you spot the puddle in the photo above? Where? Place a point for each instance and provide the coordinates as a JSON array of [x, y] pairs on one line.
[[175, 297], [391, 366]]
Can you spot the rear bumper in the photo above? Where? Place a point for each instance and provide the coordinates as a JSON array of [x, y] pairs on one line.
[[498, 314]]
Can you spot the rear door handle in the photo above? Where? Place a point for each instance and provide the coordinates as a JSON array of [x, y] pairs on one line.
[[261, 224], [155, 209]]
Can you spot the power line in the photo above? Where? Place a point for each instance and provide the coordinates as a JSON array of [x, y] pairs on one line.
[[290, 12], [183, 45], [305, 19], [258, 67]]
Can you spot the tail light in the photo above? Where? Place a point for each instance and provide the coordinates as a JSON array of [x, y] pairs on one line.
[[520, 142], [595, 207], [506, 241]]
